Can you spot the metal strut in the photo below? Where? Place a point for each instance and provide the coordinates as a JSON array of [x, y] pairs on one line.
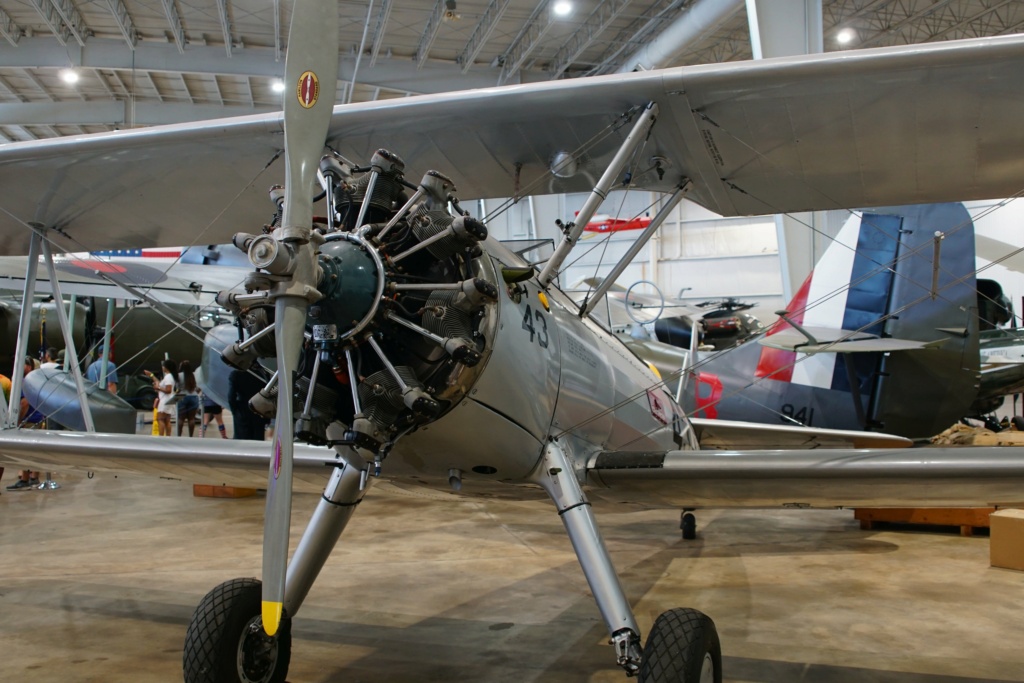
[[639, 133], [669, 206], [69, 338], [343, 493], [21, 348], [556, 475]]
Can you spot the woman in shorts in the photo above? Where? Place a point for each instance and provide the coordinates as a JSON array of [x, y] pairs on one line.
[[166, 388], [188, 406], [212, 411]]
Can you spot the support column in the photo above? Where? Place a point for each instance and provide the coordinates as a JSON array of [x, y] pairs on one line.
[[781, 28], [105, 354]]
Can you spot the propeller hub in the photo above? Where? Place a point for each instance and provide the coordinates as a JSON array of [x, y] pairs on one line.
[[352, 284]]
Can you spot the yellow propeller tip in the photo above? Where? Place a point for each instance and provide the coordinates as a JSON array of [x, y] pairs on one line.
[[544, 301], [272, 616]]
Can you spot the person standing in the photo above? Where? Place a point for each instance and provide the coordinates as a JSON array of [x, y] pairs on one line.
[[241, 387], [50, 359], [96, 369], [212, 411], [188, 406], [166, 388], [28, 418]]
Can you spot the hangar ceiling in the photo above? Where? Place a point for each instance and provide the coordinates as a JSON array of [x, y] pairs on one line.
[[144, 62]]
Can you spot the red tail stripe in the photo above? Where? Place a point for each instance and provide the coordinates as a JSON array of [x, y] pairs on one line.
[[776, 363]]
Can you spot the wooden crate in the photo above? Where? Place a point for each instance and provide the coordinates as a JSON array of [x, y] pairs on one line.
[[968, 519], [211, 491]]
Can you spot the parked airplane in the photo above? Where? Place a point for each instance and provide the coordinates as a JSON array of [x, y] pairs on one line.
[[606, 223], [436, 356], [160, 302], [864, 344]]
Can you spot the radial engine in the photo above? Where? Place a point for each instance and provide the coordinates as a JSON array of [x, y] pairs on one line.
[[406, 316]]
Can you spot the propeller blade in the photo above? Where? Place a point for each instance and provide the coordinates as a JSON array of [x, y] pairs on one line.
[[311, 74]]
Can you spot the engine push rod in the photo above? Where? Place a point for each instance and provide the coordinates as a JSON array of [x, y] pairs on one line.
[[353, 381], [667, 208], [401, 213], [387, 364], [597, 196]]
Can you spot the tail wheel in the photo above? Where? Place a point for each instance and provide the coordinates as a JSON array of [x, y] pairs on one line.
[[225, 642], [688, 524], [682, 647]]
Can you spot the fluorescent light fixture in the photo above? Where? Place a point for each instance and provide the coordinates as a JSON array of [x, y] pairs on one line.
[[69, 76], [277, 85], [563, 8], [847, 35]]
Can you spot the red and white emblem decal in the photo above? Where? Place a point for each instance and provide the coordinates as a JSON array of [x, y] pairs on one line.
[[659, 406], [308, 90]]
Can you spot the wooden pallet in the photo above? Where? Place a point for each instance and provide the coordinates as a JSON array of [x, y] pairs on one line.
[[968, 519]]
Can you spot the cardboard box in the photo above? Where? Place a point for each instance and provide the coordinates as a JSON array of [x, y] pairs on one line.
[[1007, 539]]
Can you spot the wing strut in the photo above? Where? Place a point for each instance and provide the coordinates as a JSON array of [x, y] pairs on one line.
[[70, 352], [641, 128], [609, 280], [21, 350]]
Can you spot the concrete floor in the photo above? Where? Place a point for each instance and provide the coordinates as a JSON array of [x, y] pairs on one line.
[[99, 579]]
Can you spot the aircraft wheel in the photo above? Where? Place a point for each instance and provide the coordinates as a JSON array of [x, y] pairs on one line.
[[688, 523], [682, 647], [225, 642], [144, 399]]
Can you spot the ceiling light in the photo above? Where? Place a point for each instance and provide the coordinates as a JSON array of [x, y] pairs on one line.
[[69, 76], [563, 8], [277, 85], [847, 35]]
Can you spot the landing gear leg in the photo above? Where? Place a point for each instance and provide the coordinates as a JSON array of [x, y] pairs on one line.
[[225, 642], [344, 492], [683, 645], [555, 473]]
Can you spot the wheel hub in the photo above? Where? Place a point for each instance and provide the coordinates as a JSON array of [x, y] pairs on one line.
[[257, 653]]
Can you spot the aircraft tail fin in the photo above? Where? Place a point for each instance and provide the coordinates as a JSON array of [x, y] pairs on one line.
[[877, 278]]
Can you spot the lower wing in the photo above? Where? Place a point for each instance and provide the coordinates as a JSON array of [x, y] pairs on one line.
[[906, 477], [210, 461]]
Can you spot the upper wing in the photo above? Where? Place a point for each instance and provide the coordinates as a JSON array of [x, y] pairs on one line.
[[920, 123]]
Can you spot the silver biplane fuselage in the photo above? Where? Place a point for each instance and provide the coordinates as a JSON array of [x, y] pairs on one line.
[[546, 374]]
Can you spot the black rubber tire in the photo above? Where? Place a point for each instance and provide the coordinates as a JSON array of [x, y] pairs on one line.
[[676, 647], [144, 399], [688, 523], [217, 633]]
